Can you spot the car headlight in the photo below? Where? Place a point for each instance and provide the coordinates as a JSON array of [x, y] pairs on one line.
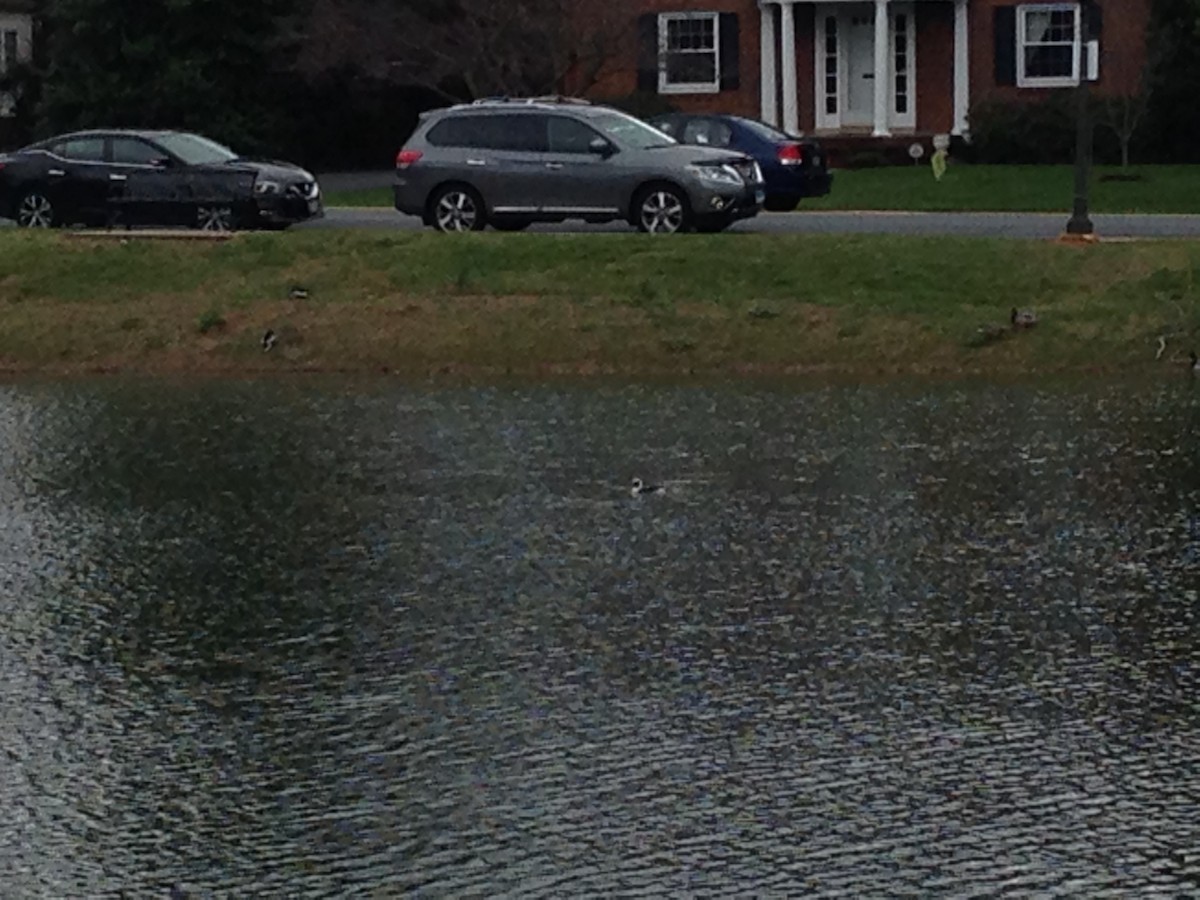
[[263, 186], [726, 175]]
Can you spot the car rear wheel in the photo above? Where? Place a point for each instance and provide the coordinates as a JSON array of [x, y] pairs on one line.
[[214, 218], [457, 208], [34, 210], [662, 210]]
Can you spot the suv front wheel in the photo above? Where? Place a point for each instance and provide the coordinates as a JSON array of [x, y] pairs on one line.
[[662, 209], [456, 207]]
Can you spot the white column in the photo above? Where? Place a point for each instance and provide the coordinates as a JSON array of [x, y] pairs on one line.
[[883, 74], [791, 109], [962, 67], [770, 71]]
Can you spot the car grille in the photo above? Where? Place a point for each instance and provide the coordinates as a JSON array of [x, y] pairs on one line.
[[305, 189], [748, 170]]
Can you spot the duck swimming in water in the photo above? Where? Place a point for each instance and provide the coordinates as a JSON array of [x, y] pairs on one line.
[[640, 487]]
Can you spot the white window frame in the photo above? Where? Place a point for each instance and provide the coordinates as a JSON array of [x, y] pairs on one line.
[[702, 87], [1023, 12], [896, 118]]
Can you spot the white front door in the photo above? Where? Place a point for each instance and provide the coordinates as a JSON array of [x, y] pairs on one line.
[[845, 66], [860, 65]]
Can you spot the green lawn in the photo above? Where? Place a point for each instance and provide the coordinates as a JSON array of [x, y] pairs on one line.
[[1161, 189], [418, 303]]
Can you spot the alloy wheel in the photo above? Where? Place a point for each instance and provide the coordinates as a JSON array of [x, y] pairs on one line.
[[662, 213], [35, 211], [456, 211], [214, 218]]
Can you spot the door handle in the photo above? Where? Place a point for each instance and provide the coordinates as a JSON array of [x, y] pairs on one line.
[[869, 76], [476, 162], [56, 172], [118, 177], [555, 166]]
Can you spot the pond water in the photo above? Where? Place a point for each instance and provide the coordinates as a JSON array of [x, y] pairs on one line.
[[343, 638]]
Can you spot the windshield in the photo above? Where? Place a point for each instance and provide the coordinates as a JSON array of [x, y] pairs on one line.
[[764, 130], [631, 132], [195, 150]]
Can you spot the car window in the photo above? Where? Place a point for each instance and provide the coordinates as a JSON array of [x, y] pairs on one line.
[[570, 135], [194, 149], [492, 132], [708, 132], [89, 149], [524, 133], [133, 152], [630, 132], [667, 126], [764, 130]]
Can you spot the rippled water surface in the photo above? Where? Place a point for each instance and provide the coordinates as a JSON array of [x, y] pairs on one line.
[[329, 639]]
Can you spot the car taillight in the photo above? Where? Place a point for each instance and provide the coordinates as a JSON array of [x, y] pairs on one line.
[[791, 155], [406, 158]]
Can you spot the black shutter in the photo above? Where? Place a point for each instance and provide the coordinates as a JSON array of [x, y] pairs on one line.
[[730, 65], [1094, 19], [647, 43], [1004, 24]]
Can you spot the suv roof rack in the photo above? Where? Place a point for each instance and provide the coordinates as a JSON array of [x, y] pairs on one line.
[[529, 101]]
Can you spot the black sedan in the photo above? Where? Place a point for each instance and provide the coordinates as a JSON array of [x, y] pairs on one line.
[[140, 178]]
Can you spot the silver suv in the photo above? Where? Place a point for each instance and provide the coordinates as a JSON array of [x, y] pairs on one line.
[[510, 163]]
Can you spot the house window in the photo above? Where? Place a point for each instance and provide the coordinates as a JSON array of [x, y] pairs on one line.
[[689, 53], [1048, 45], [831, 66], [901, 63]]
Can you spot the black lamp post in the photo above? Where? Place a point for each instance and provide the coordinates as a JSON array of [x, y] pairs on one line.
[[1080, 222]]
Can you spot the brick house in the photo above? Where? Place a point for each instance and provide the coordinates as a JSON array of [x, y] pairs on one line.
[[873, 69]]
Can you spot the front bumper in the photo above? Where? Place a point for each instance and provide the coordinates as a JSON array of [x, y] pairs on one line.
[[291, 206], [729, 204]]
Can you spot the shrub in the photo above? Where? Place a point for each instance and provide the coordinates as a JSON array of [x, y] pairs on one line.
[[1034, 132]]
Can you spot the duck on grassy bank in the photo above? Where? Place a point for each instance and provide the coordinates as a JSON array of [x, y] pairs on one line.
[[1194, 361], [640, 487], [1023, 318]]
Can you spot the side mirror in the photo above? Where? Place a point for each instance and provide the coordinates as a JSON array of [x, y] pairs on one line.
[[601, 147]]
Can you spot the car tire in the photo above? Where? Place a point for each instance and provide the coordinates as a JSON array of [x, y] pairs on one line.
[[215, 217], [456, 208], [34, 210], [511, 224], [662, 209]]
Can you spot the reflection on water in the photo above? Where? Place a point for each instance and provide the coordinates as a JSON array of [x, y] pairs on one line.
[[332, 638]]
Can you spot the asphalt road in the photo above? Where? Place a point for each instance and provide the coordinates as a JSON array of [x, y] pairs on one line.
[[1012, 225]]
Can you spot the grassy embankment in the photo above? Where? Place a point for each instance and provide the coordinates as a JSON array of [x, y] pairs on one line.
[[1160, 189], [421, 303]]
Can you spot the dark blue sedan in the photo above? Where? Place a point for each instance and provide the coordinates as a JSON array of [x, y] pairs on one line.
[[794, 168]]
